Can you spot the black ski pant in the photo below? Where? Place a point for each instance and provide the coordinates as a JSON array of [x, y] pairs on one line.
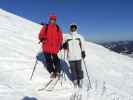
[[76, 70], [52, 63]]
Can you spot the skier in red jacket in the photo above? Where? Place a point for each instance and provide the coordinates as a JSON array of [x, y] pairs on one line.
[[51, 38]]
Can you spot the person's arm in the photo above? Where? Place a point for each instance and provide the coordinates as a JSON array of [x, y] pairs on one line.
[[83, 47], [42, 34], [65, 42], [65, 46], [60, 37]]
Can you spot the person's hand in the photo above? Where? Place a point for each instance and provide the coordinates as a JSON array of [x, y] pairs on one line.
[[83, 54], [41, 40]]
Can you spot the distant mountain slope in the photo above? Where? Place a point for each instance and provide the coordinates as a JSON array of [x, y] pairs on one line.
[[111, 74], [123, 47]]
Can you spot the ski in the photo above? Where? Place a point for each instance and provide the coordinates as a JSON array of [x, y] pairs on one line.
[[52, 86], [47, 85], [76, 97]]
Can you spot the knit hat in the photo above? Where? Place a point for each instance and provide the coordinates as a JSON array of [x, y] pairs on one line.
[[53, 17]]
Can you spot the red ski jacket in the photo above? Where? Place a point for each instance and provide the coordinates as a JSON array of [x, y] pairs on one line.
[[51, 39]]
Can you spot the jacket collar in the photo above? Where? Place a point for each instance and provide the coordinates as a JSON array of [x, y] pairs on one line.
[[73, 33]]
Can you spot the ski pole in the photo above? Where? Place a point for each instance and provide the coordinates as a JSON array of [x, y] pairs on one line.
[[65, 61], [87, 74], [36, 62], [62, 75]]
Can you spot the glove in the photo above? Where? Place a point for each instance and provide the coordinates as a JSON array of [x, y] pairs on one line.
[[83, 54], [65, 45], [41, 40]]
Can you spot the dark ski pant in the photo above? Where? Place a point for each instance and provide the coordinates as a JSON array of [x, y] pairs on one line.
[[53, 63], [76, 70]]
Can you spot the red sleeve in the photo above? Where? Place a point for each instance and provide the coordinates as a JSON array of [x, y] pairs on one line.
[[60, 37], [42, 34]]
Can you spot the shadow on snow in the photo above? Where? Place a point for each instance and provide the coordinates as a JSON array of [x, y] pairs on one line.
[[29, 98]]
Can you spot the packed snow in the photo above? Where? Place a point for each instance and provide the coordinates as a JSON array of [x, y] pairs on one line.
[[111, 74], [131, 55]]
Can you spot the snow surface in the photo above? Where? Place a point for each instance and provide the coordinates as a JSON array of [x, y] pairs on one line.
[[111, 73], [130, 55]]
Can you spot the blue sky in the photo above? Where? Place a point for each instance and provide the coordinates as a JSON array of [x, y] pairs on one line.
[[98, 20]]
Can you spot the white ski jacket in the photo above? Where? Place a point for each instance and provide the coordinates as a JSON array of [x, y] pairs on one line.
[[74, 51]]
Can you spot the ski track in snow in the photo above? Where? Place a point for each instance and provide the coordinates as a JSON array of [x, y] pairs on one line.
[[111, 74]]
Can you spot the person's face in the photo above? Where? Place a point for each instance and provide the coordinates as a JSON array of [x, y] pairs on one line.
[[73, 29], [52, 21]]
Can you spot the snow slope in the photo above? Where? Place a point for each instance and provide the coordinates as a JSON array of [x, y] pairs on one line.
[[111, 73]]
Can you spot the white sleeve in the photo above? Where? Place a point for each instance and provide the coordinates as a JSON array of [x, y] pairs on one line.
[[82, 42], [65, 37], [61, 54]]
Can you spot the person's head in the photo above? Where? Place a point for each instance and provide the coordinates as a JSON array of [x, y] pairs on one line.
[[52, 19], [73, 27]]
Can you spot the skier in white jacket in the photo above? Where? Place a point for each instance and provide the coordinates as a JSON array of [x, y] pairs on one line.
[[74, 45]]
